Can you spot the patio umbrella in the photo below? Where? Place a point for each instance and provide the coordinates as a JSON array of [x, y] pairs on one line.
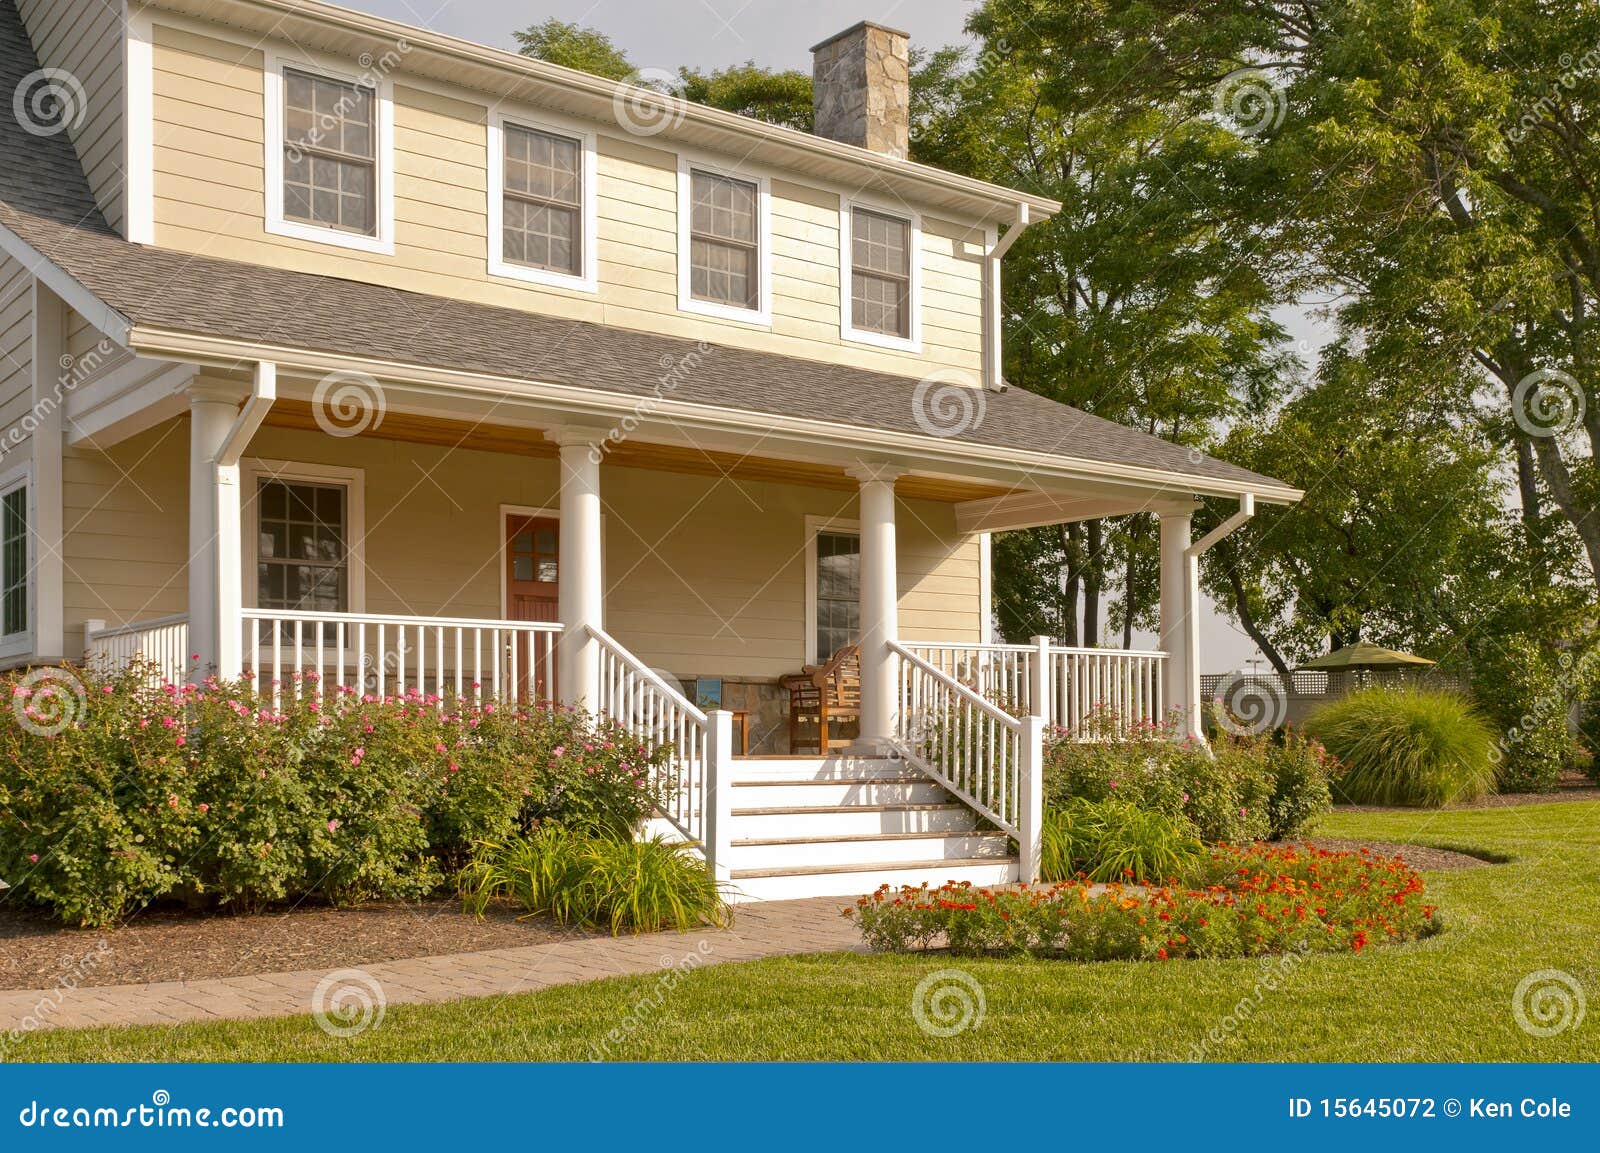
[[1365, 655]]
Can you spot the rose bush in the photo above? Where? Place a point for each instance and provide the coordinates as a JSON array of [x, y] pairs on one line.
[[221, 797]]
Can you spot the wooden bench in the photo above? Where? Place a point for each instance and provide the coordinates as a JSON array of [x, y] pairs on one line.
[[820, 698]]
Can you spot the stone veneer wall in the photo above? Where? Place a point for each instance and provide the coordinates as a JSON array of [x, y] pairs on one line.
[[862, 89]]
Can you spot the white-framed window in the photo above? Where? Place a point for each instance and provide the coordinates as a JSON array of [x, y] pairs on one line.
[[16, 563], [880, 286], [724, 242], [542, 203], [833, 586], [329, 154], [304, 531]]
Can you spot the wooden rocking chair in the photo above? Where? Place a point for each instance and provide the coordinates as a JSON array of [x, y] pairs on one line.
[[822, 696]]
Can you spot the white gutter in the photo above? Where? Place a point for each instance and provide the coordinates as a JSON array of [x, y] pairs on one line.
[[1247, 509], [994, 312], [263, 391]]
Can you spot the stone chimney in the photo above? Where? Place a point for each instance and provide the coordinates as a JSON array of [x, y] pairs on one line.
[[861, 82]]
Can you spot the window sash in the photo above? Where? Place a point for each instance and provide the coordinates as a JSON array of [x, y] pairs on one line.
[[330, 162], [724, 241], [532, 230], [838, 592], [307, 583], [880, 288], [14, 562]]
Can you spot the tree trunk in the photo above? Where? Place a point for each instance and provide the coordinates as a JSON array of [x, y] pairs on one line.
[[1093, 578], [1241, 608], [1071, 582]]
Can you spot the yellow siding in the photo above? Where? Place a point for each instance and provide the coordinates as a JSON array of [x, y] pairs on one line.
[[210, 197], [126, 520], [703, 577], [16, 348], [84, 37]]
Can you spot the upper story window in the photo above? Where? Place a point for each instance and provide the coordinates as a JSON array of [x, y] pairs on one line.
[[329, 156], [723, 243], [541, 204], [880, 297]]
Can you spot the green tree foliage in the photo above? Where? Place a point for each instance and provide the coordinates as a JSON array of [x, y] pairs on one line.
[[574, 46]]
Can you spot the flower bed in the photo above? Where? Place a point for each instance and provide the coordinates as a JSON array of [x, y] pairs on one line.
[[1242, 902], [115, 792]]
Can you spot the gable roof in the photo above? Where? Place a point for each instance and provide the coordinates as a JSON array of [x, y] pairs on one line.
[[46, 203]]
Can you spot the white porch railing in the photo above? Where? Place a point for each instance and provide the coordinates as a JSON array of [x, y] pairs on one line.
[[991, 760], [1080, 687], [162, 643], [394, 655], [648, 708]]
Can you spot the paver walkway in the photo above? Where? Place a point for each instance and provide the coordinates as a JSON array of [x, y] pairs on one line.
[[769, 929]]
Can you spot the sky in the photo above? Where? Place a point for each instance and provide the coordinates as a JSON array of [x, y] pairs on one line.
[[776, 34]]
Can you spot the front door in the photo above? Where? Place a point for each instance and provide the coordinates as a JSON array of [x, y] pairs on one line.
[[533, 574]]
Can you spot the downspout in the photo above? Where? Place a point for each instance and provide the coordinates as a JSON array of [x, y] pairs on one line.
[[263, 391], [993, 380], [1191, 581], [229, 539]]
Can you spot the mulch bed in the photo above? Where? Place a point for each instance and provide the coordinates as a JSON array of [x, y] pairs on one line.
[[1417, 856], [176, 945]]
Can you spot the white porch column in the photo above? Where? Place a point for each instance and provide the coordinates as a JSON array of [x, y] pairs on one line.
[[580, 595], [880, 603], [1180, 620], [215, 582]]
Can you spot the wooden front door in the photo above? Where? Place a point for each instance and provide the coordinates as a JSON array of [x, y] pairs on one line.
[[533, 574]]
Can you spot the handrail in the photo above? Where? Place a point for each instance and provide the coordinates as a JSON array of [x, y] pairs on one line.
[[963, 646], [137, 627], [389, 619], [956, 686], [633, 695]]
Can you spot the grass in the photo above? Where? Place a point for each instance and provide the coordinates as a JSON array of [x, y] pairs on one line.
[[1446, 999]]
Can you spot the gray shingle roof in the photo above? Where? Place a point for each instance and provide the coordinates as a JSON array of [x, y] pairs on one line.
[[45, 200]]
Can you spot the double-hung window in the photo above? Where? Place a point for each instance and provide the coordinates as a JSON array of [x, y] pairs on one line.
[[835, 590], [303, 554], [541, 204], [15, 615], [880, 251], [723, 238], [329, 156]]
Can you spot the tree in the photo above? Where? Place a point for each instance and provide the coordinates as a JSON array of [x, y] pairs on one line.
[[574, 46]]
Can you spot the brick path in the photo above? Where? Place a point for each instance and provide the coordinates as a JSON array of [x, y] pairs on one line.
[[769, 929]]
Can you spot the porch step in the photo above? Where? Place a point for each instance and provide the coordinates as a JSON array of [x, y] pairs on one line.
[[838, 767], [833, 821], [782, 884], [889, 789], [867, 850]]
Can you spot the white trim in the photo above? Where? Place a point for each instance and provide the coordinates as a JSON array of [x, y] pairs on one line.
[[138, 127], [841, 526], [847, 329], [97, 312], [21, 644], [761, 316], [985, 588], [46, 516], [588, 207], [354, 482], [272, 92]]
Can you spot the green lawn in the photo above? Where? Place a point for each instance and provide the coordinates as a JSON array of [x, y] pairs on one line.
[[1447, 998]]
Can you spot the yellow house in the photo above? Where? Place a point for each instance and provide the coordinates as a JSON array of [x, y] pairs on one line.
[[334, 346]]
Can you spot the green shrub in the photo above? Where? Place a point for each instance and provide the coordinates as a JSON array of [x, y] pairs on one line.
[[212, 795], [1406, 747], [576, 878], [1525, 692], [1258, 901], [1243, 789], [1113, 840]]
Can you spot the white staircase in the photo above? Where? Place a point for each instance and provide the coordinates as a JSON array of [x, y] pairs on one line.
[[843, 825]]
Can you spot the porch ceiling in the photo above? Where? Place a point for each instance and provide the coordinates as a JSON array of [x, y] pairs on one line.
[[631, 453]]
